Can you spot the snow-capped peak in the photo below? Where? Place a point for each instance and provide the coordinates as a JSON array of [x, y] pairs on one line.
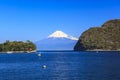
[[60, 34]]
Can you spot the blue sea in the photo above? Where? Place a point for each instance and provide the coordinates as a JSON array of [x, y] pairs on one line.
[[61, 65]]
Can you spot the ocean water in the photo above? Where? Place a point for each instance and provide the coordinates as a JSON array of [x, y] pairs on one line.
[[60, 65]]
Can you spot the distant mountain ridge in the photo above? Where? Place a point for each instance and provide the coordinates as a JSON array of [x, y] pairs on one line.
[[60, 34], [58, 40]]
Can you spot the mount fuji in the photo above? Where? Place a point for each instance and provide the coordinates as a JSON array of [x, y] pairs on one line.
[[58, 40]]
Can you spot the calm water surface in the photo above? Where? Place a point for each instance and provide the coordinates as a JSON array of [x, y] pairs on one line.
[[60, 66]]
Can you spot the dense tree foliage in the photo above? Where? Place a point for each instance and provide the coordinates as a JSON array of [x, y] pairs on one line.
[[17, 46], [106, 37]]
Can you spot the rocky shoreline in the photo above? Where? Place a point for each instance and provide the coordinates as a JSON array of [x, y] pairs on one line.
[[10, 52]]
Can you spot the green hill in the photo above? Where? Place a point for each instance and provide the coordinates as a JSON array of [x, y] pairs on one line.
[[17, 46], [106, 37]]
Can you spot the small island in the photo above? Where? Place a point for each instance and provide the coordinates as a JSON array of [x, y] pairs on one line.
[[105, 38], [17, 46]]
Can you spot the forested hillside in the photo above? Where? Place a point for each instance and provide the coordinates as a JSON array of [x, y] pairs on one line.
[[17, 46], [106, 37]]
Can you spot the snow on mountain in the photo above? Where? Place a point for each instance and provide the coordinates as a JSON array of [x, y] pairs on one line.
[[60, 34], [57, 41]]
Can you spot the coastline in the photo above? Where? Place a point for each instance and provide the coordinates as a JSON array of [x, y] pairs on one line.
[[102, 50], [97, 50], [10, 52]]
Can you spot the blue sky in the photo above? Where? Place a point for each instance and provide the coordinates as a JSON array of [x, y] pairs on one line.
[[36, 19]]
